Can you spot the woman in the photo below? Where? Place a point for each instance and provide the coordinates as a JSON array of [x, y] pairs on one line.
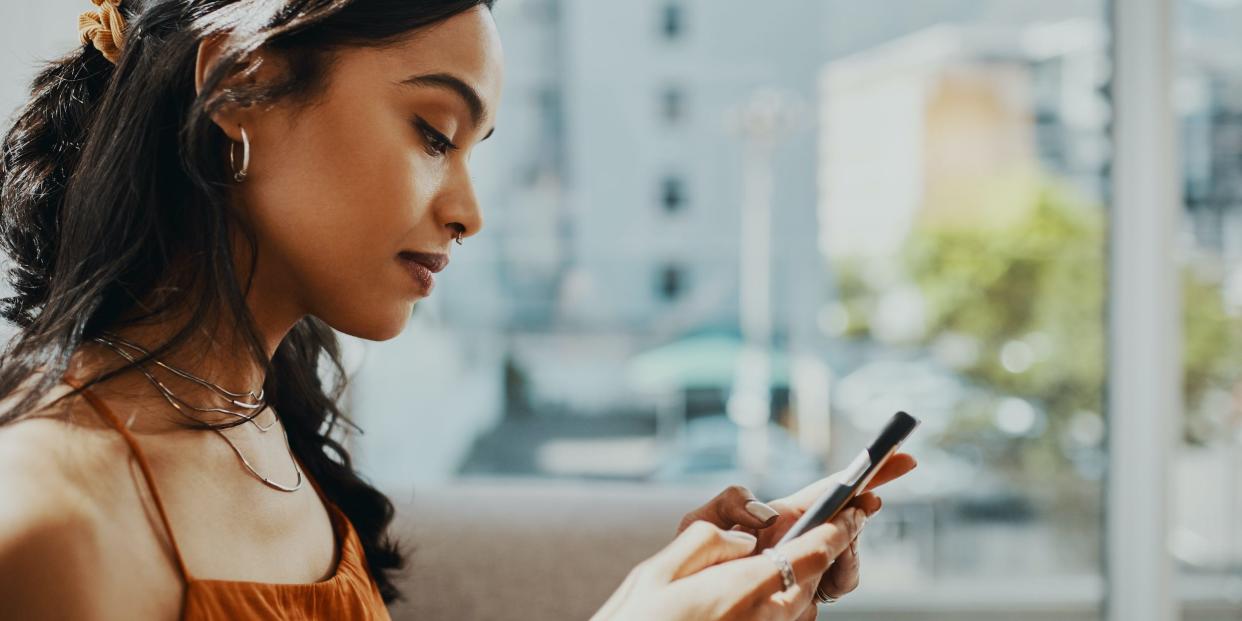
[[192, 201]]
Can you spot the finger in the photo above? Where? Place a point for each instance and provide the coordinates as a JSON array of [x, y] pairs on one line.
[[699, 546], [810, 614], [758, 578], [620, 595], [868, 502], [814, 552], [782, 605], [896, 467], [795, 603], [735, 506], [843, 577], [807, 495]]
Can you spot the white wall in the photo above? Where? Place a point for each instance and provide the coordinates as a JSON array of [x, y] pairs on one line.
[[33, 32]]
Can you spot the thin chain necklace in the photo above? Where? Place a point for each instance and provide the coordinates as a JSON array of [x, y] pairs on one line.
[[176, 403], [250, 417], [256, 399]]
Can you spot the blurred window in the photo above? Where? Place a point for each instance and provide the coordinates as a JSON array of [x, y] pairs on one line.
[[672, 23], [1206, 539], [672, 194]]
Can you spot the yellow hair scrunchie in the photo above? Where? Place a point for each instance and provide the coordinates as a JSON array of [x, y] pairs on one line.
[[104, 27]]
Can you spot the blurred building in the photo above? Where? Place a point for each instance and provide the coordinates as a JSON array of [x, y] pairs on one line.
[[612, 193], [614, 205], [1209, 101], [946, 122]]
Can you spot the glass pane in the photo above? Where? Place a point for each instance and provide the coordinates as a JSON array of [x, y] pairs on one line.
[[963, 182], [1207, 475], [935, 172]]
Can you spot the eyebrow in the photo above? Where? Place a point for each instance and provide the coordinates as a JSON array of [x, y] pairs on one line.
[[450, 82]]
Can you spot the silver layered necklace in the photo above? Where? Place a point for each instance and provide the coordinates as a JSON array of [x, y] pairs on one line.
[[251, 403]]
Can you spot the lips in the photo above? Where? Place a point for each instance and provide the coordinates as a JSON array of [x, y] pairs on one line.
[[435, 263], [422, 267]]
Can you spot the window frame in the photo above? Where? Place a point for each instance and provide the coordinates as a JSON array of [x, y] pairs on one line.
[[1144, 315]]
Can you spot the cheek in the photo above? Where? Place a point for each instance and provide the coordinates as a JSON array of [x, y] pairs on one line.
[[334, 200], [339, 177]]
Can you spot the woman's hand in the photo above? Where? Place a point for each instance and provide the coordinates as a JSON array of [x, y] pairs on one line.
[[737, 509], [710, 573]]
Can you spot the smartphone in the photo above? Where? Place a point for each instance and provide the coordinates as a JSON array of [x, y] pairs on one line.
[[854, 479]]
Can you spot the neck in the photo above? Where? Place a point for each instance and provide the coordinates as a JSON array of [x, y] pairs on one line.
[[216, 352]]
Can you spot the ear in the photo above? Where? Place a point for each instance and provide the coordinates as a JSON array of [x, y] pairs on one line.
[[257, 69]]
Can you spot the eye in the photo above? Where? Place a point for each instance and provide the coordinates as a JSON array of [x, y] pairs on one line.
[[438, 144]]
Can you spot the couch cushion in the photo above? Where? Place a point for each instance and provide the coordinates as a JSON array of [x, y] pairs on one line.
[[521, 549]]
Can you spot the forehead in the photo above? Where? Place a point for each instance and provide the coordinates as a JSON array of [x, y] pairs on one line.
[[466, 46]]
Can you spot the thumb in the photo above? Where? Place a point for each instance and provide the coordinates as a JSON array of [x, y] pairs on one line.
[[698, 547]]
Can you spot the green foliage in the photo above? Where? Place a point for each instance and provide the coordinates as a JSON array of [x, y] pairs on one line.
[[1212, 352], [1039, 282], [1035, 287]]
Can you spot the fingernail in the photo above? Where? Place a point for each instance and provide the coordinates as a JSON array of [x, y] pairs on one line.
[[879, 504], [761, 511], [741, 537]]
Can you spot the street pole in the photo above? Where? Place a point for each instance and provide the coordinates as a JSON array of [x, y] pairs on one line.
[[762, 122]]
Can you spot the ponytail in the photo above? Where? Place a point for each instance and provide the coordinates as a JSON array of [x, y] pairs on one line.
[[38, 156]]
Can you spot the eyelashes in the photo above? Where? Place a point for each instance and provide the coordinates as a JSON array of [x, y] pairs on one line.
[[438, 145]]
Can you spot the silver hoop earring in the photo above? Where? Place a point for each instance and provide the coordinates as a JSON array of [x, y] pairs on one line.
[[240, 175]]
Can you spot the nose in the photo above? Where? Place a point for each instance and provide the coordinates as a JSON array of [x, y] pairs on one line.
[[457, 207]]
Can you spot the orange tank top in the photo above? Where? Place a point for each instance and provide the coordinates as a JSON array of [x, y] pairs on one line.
[[350, 593]]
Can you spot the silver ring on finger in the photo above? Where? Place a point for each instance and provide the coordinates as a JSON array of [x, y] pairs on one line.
[[824, 598], [782, 563]]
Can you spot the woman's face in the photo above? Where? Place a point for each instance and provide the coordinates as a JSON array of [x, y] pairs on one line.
[[376, 167]]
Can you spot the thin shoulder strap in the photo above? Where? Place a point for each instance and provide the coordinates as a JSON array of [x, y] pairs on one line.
[[104, 411], [333, 509], [314, 484]]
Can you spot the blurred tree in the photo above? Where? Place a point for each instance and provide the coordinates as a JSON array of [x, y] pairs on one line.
[[1028, 293]]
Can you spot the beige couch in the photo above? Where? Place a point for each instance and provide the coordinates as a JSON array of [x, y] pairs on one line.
[[523, 550], [542, 550]]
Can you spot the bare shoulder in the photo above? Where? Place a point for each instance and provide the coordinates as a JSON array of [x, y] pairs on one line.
[[47, 529], [56, 457], [54, 460], [45, 552], [51, 515]]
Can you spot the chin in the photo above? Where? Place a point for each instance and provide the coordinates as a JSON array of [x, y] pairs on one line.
[[376, 327]]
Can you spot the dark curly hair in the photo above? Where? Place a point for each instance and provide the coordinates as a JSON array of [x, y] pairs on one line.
[[91, 254]]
